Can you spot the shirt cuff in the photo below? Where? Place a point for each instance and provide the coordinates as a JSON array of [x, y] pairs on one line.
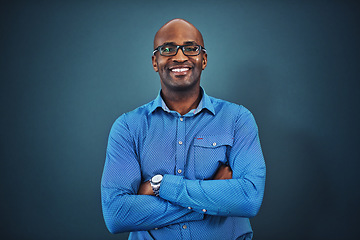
[[170, 187], [169, 190]]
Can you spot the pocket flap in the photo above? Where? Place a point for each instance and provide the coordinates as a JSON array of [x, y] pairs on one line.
[[213, 141]]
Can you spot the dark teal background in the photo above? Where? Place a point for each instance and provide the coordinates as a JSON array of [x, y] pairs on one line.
[[70, 68]]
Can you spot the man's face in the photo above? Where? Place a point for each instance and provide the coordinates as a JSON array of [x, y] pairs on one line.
[[179, 72]]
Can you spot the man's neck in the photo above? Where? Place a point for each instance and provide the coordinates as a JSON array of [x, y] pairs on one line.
[[182, 101]]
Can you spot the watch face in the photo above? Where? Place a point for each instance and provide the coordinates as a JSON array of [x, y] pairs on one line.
[[156, 179]]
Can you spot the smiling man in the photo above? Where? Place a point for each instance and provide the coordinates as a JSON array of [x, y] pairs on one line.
[[186, 165]]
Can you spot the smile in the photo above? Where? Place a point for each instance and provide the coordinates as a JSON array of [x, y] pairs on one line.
[[180, 69]]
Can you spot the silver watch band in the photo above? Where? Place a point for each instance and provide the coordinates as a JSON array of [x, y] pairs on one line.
[[156, 191], [155, 182]]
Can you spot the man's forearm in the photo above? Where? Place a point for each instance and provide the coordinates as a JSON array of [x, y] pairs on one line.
[[232, 197], [124, 213]]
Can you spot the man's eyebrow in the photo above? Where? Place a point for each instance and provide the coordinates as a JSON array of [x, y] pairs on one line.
[[190, 42], [169, 43], [185, 43]]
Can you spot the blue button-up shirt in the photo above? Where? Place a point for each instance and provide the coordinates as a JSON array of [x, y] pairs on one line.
[[187, 150]]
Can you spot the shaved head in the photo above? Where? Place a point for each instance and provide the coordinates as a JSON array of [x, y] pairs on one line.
[[175, 28]]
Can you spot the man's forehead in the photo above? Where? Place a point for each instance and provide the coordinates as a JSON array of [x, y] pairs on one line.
[[179, 32]]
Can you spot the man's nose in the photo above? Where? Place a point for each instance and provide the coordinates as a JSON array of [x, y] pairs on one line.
[[180, 56]]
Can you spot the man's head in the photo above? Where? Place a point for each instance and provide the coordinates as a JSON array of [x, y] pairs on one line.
[[181, 71]]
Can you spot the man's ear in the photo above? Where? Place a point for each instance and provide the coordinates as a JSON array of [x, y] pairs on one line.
[[204, 61], [154, 63]]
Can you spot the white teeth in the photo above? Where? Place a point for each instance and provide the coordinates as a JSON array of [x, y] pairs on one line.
[[179, 69]]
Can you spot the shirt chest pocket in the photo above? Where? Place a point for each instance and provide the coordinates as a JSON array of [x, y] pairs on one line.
[[209, 153]]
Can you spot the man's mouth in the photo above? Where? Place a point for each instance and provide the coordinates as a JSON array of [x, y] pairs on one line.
[[178, 70]]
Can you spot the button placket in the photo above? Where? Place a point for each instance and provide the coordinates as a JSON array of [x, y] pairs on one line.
[[180, 163], [185, 230], [180, 148]]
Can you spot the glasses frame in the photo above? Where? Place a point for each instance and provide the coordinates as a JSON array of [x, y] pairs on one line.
[[201, 48]]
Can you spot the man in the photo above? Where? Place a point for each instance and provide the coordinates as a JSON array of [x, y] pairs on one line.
[[186, 165]]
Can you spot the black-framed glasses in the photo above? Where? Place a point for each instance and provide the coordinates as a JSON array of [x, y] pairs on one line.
[[171, 50]]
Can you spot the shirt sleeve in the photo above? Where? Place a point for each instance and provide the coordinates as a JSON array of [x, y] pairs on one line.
[[123, 209], [240, 196]]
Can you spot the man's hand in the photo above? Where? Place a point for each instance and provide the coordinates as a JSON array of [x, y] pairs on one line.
[[223, 172], [145, 189]]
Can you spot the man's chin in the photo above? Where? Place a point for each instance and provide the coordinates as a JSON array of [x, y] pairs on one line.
[[179, 85], [182, 88]]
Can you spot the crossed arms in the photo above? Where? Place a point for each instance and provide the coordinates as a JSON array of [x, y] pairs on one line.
[[128, 204], [223, 172]]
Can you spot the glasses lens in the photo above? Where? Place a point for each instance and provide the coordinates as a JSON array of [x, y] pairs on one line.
[[192, 50], [168, 50]]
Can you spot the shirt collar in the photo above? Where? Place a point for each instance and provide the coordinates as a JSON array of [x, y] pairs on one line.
[[205, 103]]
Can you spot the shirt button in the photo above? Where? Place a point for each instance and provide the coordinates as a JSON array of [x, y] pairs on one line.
[[180, 142], [179, 171], [156, 228], [214, 144], [204, 210], [184, 227], [189, 208], [181, 119]]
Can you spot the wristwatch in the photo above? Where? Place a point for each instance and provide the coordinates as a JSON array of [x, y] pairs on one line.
[[155, 182]]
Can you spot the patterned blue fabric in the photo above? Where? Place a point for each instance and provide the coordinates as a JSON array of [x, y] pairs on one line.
[[187, 150]]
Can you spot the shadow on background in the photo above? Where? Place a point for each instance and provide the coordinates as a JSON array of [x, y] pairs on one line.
[[70, 68]]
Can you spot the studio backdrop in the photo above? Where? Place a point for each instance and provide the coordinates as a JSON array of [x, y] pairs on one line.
[[70, 68]]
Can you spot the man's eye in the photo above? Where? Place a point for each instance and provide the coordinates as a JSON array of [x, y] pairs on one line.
[[167, 49], [191, 49]]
